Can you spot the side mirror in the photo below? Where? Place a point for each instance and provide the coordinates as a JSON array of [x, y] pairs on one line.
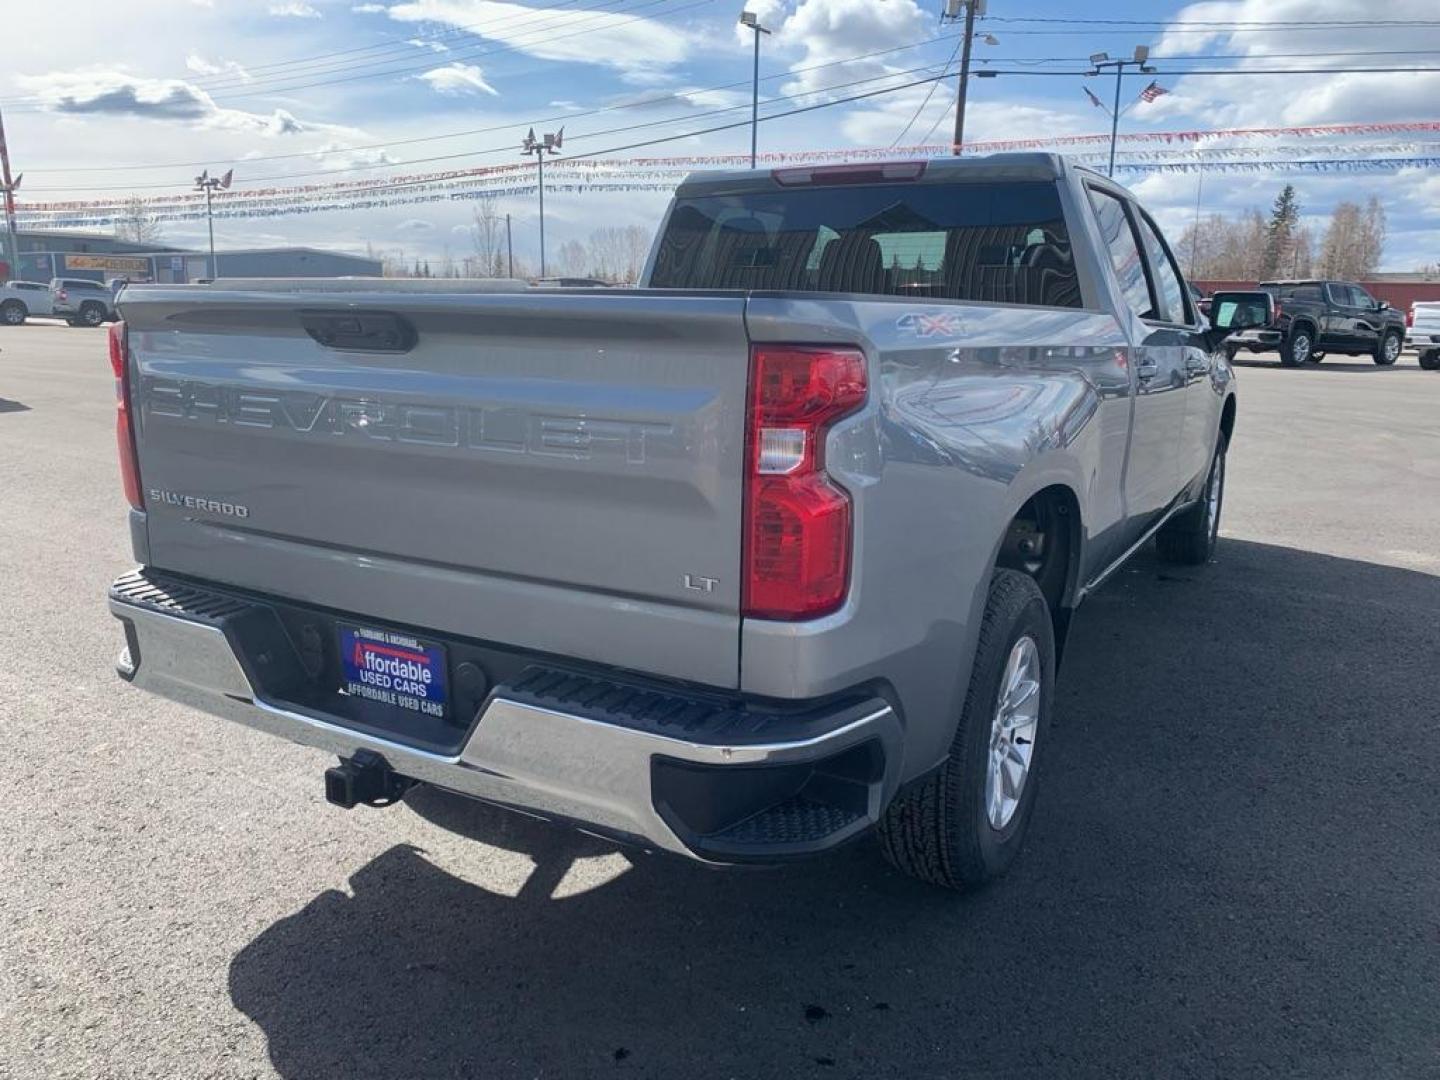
[[1234, 311], [1382, 305]]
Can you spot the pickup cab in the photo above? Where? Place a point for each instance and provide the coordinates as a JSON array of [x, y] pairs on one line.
[[779, 548], [1313, 318]]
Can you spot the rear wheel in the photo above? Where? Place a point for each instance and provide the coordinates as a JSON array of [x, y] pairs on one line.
[[1388, 351], [963, 825], [12, 313], [92, 314], [1296, 349], [1189, 537], [1430, 361]]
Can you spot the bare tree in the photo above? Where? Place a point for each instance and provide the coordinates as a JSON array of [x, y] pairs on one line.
[[487, 231], [618, 253], [137, 225], [573, 259]]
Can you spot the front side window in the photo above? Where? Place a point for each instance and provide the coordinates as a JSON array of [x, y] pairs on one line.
[[1167, 277], [994, 242], [1125, 255]]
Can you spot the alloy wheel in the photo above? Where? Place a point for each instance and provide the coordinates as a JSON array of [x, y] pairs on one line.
[[1012, 733]]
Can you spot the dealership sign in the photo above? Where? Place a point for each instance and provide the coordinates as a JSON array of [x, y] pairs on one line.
[[128, 264]]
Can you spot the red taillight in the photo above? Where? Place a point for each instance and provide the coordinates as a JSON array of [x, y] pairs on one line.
[[1410, 317], [62, 295], [1279, 310], [124, 433], [797, 521]]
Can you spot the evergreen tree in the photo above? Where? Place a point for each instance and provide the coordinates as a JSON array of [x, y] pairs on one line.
[[1280, 234]]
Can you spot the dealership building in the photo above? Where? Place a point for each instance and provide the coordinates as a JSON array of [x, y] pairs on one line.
[[46, 255]]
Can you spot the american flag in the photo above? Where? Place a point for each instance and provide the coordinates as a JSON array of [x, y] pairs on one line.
[[1153, 91]]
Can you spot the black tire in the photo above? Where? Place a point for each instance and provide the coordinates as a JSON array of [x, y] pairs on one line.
[[1316, 357], [13, 312], [1297, 347], [91, 314], [1388, 349], [1430, 361], [1189, 537], [939, 830]]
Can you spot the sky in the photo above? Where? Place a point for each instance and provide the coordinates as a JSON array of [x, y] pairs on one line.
[[314, 91]]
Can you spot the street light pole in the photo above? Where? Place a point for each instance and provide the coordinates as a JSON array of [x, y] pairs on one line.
[[550, 144], [210, 184], [1100, 61], [750, 19], [509, 250]]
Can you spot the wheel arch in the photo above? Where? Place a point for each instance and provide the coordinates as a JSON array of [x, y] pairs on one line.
[[1044, 537], [1227, 419]]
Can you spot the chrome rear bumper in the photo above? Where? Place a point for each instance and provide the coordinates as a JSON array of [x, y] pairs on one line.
[[602, 776]]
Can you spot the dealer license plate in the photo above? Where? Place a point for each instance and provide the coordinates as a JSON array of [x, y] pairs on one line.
[[393, 670]]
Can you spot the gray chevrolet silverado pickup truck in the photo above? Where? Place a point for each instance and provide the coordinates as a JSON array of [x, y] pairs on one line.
[[776, 549]]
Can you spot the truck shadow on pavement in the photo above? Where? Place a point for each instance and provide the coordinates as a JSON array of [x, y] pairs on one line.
[[1222, 876], [8, 406]]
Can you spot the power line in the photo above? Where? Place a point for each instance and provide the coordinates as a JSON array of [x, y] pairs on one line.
[[256, 181], [542, 35], [565, 117], [929, 94], [538, 35], [1219, 24]]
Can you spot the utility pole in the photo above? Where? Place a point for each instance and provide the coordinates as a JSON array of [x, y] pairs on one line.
[[972, 8], [750, 19], [210, 184], [540, 147], [1100, 61], [509, 250], [12, 243]]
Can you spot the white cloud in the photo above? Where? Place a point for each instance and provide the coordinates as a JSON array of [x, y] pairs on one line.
[[433, 46], [294, 9], [1302, 98], [117, 93], [338, 156], [415, 225], [368, 9], [457, 78], [612, 39], [832, 31], [201, 66]]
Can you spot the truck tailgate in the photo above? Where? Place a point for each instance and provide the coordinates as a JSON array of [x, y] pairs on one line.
[[557, 471]]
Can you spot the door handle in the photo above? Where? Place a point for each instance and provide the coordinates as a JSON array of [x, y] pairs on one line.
[[1147, 370], [1197, 365]]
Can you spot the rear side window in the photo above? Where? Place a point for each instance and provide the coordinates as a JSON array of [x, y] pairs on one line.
[[1002, 242], [1119, 237]]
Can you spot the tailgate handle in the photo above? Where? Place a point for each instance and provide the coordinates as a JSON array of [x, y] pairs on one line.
[[360, 331]]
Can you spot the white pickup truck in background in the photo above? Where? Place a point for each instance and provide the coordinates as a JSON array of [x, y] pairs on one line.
[[20, 300], [1422, 332]]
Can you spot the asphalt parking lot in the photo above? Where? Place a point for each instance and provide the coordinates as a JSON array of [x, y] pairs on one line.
[[1234, 868]]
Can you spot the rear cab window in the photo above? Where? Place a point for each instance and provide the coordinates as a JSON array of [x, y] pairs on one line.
[[989, 241]]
